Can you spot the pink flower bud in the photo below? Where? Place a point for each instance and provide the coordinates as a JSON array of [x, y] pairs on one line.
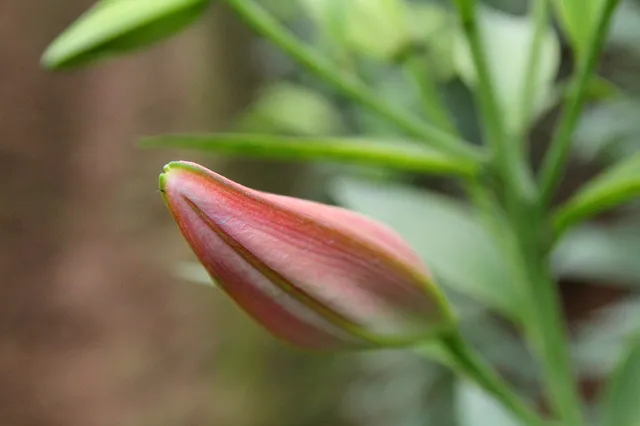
[[315, 275]]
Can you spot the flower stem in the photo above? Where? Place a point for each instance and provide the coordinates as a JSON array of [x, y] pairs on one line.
[[348, 84], [468, 362], [547, 329]]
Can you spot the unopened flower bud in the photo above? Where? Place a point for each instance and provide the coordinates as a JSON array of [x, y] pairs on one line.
[[315, 275]]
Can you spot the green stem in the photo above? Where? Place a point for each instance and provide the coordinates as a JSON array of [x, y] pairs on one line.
[[556, 158], [548, 330], [509, 163], [396, 155], [431, 101], [349, 85], [469, 363]]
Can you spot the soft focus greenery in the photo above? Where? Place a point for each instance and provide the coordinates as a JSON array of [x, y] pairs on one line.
[[382, 94]]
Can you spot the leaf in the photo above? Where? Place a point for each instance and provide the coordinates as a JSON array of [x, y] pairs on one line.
[[476, 408], [396, 155], [579, 18], [116, 27], [447, 235], [609, 131], [292, 109], [612, 188], [600, 342], [607, 255], [621, 400], [507, 41]]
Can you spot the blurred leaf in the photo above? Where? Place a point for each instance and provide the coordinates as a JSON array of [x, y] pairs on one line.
[[447, 235], [390, 154], [507, 40], [610, 129], [600, 342], [359, 19], [612, 188], [606, 255], [115, 27], [293, 109], [625, 30], [579, 18], [398, 388], [622, 407], [476, 408]]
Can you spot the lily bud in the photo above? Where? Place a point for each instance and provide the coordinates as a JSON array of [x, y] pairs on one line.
[[318, 276]]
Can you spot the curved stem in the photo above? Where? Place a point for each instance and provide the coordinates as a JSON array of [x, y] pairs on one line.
[[348, 84], [475, 368]]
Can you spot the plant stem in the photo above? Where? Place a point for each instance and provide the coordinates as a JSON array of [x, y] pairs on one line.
[[548, 331], [508, 162], [474, 367], [348, 84], [556, 158]]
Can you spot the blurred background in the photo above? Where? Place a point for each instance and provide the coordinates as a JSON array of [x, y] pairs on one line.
[[103, 320]]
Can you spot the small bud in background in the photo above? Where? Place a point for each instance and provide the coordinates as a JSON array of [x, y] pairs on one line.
[[116, 27], [318, 276]]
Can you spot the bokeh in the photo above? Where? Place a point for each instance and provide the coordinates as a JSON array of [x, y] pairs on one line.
[[105, 319]]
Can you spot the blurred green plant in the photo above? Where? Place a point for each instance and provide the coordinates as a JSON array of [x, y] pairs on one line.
[[409, 77]]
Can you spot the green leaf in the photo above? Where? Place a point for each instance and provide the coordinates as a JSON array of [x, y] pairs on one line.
[[606, 255], [115, 27], [612, 188], [621, 406], [448, 236], [579, 18], [609, 131], [507, 41], [477, 408], [396, 155]]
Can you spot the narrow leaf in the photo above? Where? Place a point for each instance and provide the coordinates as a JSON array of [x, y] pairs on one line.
[[115, 27], [621, 400], [397, 155], [614, 187]]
